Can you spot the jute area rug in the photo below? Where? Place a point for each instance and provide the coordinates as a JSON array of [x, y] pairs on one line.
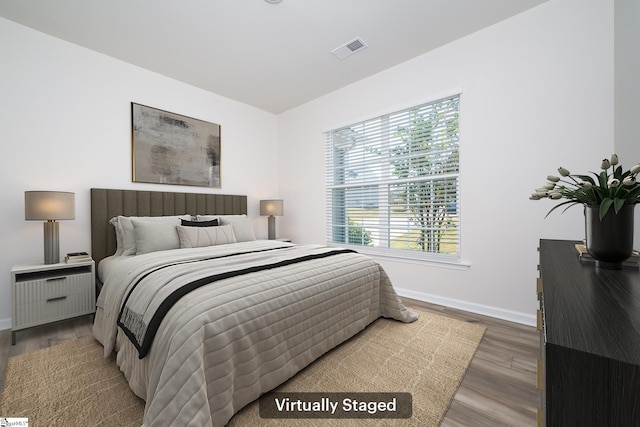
[[72, 384]]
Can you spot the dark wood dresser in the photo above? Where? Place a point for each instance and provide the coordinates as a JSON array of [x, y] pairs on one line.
[[589, 322]]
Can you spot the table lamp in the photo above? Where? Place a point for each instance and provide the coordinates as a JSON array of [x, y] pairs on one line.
[[50, 206], [272, 208]]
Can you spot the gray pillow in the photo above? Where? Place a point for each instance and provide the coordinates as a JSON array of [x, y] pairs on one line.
[[242, 227], [155, 236], [128, 233]]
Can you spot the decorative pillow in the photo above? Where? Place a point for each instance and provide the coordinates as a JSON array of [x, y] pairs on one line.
[[211, 223], [197, 237], [128, 232], [155, 236], [242, 227]]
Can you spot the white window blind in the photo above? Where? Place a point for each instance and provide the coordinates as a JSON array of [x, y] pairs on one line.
[[392, 182]]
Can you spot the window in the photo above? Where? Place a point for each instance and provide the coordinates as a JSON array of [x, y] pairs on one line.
[[392, 182]]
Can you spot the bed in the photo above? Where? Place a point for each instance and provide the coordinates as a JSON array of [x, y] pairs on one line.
[[203, 328]]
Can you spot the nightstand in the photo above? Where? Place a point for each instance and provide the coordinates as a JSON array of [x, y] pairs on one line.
[[45, 293]]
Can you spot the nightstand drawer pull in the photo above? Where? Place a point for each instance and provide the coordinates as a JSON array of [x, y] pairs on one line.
[[53, 279], [56, 299]]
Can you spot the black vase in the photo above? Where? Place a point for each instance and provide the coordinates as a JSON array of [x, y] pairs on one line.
[[610, 240]]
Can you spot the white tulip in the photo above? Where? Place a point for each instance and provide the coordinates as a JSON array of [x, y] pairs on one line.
[[614, 182], [614, 159], [553, 178], [605, 164], [629, 181], [562, 171], [585, 185], [554, 195], [636, 169]]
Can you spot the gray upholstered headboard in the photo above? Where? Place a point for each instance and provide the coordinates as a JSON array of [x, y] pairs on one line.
[[107, 203]]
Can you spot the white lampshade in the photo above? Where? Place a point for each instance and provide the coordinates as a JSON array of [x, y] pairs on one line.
[[272, 207], [49, 205]]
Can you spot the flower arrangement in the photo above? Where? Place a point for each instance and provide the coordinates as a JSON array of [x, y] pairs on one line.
[[611, 187]]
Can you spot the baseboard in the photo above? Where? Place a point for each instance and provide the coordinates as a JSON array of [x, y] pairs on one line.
[[485, 310], [499, 313]]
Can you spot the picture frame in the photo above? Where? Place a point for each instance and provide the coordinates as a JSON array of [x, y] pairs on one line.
[[169, 148]]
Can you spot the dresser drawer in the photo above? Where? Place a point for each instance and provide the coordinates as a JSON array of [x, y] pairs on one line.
[[540, 368]]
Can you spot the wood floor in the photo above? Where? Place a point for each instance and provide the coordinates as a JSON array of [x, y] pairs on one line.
[[499, 388]]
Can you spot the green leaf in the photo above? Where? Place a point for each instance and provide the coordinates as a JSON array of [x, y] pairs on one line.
[[603, 179], [633, 191], [604, 207], [618, 203], [618, 172], [586, 178], [624, 175], [568, 202], [599, 193]]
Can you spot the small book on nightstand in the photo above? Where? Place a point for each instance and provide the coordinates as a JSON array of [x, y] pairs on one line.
[[77, 257], [584, 256]]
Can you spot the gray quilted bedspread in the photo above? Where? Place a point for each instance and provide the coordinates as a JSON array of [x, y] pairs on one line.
[[242, 333]]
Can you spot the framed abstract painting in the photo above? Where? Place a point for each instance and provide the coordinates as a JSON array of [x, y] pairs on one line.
[[169, 148]]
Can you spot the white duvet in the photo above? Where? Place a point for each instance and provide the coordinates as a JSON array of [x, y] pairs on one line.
[[224, 344]]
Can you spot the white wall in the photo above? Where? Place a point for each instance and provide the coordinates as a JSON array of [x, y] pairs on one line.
[[627, 88], [66, 126], [537, 93]]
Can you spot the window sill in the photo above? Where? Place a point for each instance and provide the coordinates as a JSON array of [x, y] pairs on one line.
[[407, 258]]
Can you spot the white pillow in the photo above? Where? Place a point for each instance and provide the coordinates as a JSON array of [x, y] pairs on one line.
[[231, 218], [119, 238], [155, 236], [242, 227], [197, 237], [128, 232]]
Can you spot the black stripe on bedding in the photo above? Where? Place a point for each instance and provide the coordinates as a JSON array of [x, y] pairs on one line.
[[190, 261], [151, 330]]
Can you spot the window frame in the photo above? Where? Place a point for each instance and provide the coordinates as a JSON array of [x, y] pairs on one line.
[[436, 257]]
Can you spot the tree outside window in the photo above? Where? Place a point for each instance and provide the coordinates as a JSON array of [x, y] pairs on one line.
[[393, 180]]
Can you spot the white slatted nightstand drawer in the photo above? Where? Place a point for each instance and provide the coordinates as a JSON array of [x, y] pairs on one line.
[[48, 293]]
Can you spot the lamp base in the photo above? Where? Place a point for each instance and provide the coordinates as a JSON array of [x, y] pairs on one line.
[[51, 242], [272, 227]]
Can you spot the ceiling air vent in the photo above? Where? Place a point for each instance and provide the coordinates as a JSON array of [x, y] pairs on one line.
[[349, 48]]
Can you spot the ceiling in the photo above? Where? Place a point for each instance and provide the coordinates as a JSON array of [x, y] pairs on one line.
[[272, 56]]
